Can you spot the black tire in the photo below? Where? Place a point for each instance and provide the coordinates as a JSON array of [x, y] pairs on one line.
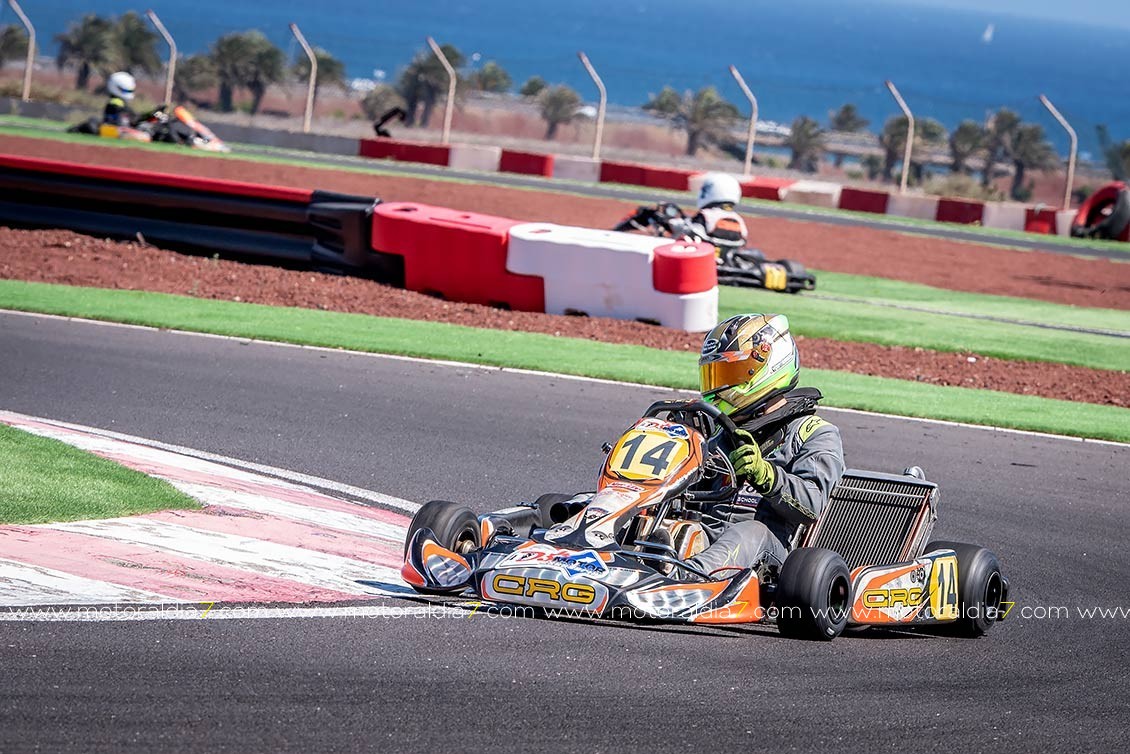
[[813, 595], [456, 526], [551, 509], [980, 587]]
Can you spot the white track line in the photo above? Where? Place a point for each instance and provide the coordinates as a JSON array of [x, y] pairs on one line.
[[23, 584], [108, 613], [509, 370]]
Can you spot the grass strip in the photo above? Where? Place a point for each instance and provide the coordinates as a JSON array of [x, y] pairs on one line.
[[537, 351], [863, 321], [43, 480]]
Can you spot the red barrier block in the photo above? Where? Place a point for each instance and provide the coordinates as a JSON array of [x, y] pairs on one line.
[[684, 268], [961, 211], [671, 179], [406, 151], [171, 180], [1040, 220], [765, 188], [458, 255], [527, 163], [864, 200], [622, 172]]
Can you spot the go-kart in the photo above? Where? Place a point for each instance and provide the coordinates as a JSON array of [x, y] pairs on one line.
[[158, 125], [737, 265], [622, 552]]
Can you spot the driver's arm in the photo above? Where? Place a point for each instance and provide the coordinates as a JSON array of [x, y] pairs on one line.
[[805, 480]]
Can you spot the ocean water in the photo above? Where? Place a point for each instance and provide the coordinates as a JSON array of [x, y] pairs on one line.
[[801, 57]]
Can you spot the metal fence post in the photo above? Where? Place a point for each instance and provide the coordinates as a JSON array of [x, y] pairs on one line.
[[313, 77], [752, 135], [30, 62], [909, 135], [171, 70], [600, 110], [1074, 149], [449, 108]]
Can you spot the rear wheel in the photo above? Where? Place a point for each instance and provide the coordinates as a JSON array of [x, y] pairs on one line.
[[813, 595], [456, 527], [980, 587]]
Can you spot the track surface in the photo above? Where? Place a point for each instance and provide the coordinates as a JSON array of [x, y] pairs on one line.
[[1054, 510]]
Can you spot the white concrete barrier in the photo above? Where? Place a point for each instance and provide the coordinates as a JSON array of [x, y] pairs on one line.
[[1006, 215], [913, 205], [813, 193], [474, 157], [573, 168], [603, 273], [1064, 218]]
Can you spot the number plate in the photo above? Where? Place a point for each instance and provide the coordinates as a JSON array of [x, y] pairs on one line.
[[647, 454]]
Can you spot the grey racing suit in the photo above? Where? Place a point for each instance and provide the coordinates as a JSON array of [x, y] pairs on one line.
[[755, 530]]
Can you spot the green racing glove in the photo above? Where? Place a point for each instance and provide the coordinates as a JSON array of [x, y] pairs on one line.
[[750, 465]]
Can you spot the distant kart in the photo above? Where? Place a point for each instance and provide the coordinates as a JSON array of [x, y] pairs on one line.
[[622, 552], [736, 265], [181, 127]]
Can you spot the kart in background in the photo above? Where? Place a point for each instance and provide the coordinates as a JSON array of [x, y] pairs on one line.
[[737, 265], [158, 125], [622, 551]]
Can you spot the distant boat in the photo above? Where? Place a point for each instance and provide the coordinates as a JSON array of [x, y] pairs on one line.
[[988, 35]]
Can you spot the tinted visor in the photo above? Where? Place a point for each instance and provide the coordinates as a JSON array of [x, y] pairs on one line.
[[715, 375]]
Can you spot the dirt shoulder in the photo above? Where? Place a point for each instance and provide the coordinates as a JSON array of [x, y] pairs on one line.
[[57, 256], [953, 265]]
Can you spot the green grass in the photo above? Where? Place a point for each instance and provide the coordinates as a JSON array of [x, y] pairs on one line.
[[44, 480], [548, 353], [863, 321], [35, 128]]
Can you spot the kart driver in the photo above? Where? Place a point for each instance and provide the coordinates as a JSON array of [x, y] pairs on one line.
[[716, 221], [789, 459], [121, 87]]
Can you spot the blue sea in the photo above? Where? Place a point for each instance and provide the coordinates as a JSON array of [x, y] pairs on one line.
[[799, 57]]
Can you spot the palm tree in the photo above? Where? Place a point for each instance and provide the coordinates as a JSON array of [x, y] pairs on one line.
[[135, 45], [704, 115], [246, 60], [1114, 154], [927, 132], [89, 44], [331, 71], [1000, 132], [491, 78], [966, 141], [846, 120], [195, 73], [533, 86], [806, 141], [379, 100], [13, 43], [424, 81], [1030, 151], [559, 104]]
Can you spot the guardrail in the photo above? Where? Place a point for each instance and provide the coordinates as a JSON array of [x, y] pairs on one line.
[[460, 256]]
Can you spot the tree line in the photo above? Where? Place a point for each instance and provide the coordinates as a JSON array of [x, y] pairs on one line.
[[248, 62]]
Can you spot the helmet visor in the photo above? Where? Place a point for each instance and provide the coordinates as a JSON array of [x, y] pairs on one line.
[[715, 375]]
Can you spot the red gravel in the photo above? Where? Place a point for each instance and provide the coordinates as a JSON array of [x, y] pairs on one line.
[[57, 256], [946, 264]]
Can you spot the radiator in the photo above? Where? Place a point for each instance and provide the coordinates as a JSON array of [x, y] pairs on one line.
[[875, 518]]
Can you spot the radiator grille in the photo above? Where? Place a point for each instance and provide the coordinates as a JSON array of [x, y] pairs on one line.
[[876, 518]]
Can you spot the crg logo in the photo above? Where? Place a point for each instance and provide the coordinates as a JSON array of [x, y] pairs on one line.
[[520, 586]]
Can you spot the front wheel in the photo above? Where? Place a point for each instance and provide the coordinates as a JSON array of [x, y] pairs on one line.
[[456, 527], [981, 587], [813, 595]]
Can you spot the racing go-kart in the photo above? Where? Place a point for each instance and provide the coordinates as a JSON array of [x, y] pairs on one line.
[[737, 265], [180, 127], [622, 552]]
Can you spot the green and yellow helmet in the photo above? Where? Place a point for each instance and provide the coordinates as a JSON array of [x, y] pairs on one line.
[[747, 360]]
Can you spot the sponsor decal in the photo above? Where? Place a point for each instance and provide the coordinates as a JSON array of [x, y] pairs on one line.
[[626, 487], [594, 512], [571, 561], [897, 597], [520, 586]]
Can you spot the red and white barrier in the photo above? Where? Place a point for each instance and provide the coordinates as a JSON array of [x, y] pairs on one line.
[[603, 273], [813, 193], [572, 168], [913, 205], [1005, 215], [475, 157]]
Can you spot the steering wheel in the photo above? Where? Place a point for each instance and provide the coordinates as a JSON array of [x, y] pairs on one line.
[[721, 438]]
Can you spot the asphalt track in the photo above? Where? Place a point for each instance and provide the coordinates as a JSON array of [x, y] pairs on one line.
[[1054, 510]]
